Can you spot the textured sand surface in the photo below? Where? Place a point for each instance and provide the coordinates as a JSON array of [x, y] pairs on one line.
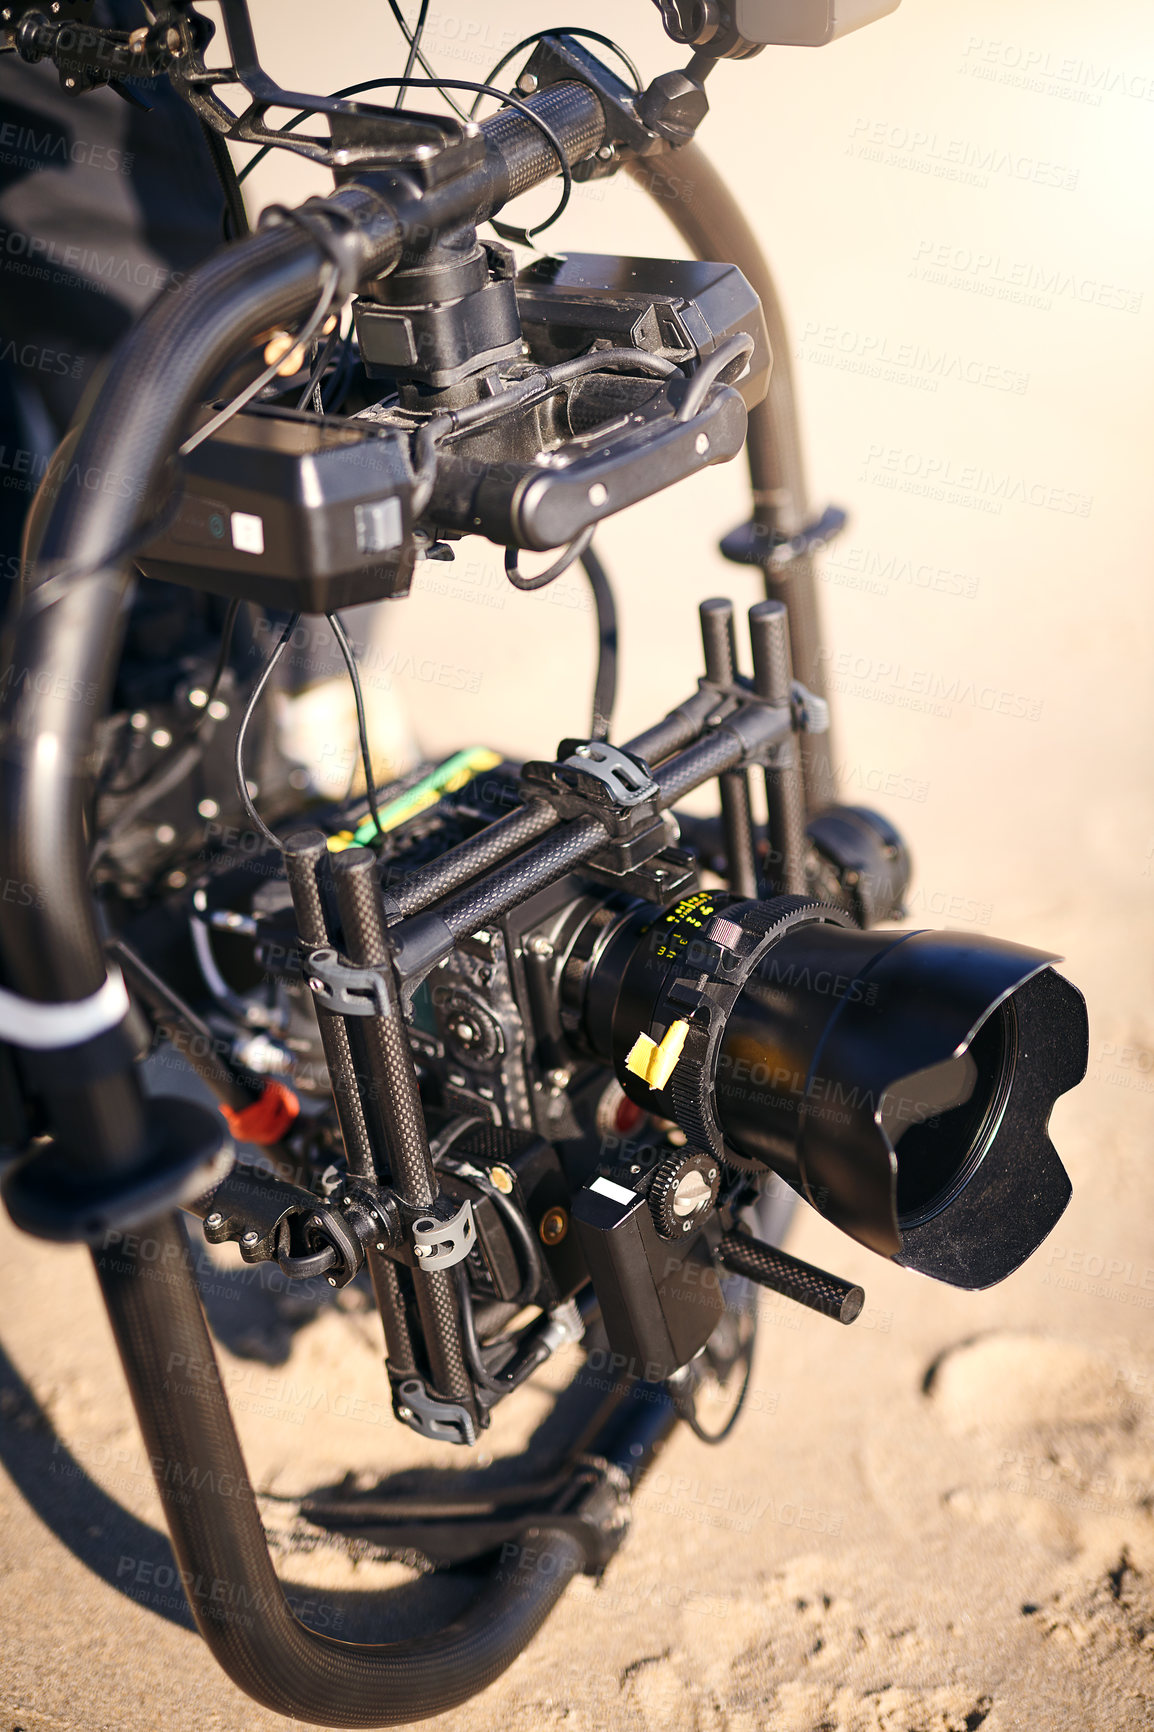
[[942, 1518]]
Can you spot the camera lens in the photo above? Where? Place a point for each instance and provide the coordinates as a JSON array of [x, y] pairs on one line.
[[902, 1082]]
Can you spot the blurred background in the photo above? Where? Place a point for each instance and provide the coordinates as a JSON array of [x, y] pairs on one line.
[[942, 1518]]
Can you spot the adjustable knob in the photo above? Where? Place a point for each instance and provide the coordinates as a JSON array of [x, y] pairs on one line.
[[682, 1193]]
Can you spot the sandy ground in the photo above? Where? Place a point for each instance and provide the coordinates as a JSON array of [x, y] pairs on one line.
[[941, 1518]]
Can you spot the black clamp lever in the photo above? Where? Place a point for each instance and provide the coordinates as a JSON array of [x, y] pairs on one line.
[[273, 1221], [594, 779], [433, 1236]]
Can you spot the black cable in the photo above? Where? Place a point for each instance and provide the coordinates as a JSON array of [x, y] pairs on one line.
[[313, 388], [226, 632], [562, 563], [395, 9], [561, 30], [444, 85], [47, 593], [336, 95], [520, 394], [687, 1410], [684, 1397], [516, 1226], [735, 348], [336, 389], [500, 1385], [520, 1230], [236, 223], [346, 650], [605, 683], [414, 50], [238, 754], [305, 336]]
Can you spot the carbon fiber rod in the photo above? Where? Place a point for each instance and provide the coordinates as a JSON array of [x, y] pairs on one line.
[[420, 942], [789, 1276], [718, 642], [452, 870], [784, 786], [304, 855], [395, 1110], [678, 729]]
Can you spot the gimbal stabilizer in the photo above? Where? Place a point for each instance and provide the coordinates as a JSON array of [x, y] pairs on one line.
[[480, 985]]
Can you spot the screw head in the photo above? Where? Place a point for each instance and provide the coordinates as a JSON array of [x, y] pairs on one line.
[[554, 1226], [404, 1413], [528, 83], [501, 1180], [598, 493], [332, 1280], [380, 1244], [251, 1239], [701, 444], [214, 1219], [605, 153]]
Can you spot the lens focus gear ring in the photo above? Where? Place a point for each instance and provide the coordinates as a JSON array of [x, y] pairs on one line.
[[704, 990]]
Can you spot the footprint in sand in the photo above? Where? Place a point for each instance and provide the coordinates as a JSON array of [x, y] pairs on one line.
[[1056, 1441]]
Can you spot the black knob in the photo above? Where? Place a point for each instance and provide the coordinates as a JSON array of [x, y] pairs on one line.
[[682, 1193]]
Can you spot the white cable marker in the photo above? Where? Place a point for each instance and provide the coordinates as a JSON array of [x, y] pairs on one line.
[[28, 1023]]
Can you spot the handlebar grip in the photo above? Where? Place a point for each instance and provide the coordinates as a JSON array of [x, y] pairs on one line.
[[781, 1273], [570, 111]]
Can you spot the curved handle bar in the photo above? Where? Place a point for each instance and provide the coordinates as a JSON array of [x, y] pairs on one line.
[[220, 1546]]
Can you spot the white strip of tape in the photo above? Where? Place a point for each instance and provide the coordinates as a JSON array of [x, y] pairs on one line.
[[41, 1027]]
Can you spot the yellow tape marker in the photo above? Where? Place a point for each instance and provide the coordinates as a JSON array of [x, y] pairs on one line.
[[654, 1063], [640, 1054]]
